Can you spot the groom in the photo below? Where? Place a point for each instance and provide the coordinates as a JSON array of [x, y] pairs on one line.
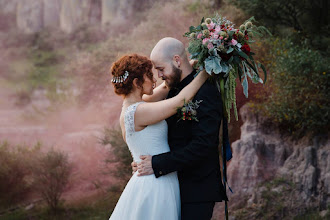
[[194, 145]]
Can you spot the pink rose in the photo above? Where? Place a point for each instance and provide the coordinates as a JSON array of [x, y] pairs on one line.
[[217, 28], [221, 37], [210, 46], [205, 40], [214, 36], [199, 36], [233, 42], [210, 26]]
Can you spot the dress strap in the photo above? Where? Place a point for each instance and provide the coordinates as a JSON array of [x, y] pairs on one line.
[[129, 118]]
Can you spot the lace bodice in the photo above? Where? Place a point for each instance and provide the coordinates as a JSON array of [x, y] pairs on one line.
[[151, 140]]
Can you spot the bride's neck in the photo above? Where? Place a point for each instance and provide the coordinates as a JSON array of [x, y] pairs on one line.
[[133, 97]]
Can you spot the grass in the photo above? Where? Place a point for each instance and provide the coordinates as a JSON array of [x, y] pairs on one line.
[[279, 204], [96, 207]]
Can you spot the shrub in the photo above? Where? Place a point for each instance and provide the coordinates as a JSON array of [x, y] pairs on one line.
[[51, 173], [15, 174], [300, 99], [310, 18], [118, 153]]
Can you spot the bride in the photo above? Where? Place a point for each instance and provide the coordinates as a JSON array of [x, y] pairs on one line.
[[144, 130]]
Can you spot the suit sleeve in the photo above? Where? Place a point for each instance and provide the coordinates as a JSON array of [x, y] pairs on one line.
[[205, 136]]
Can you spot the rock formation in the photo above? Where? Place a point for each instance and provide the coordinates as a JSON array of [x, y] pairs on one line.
[[34, 15], [263, 154], [29, 15]]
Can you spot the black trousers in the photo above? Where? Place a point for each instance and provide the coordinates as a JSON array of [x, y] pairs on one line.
[[197, 211]]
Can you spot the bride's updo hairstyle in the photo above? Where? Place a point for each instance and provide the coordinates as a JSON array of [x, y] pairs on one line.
[[137, 66]]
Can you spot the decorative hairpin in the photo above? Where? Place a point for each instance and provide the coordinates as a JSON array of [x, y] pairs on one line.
[[120, 79]]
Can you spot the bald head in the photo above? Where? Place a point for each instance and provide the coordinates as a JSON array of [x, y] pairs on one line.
[[170, 61], [167, 48]]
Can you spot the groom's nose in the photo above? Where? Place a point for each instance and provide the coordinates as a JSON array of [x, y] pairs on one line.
[[160, 75]]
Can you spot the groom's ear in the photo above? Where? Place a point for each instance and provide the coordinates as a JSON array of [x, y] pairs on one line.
[[177, 60]]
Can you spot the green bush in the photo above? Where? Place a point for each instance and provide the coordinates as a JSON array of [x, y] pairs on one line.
[[15, 174], [118, 153], [51, 176], [309, 18], [300, 82]]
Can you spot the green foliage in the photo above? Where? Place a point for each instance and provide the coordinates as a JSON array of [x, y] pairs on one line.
[[97, 207], [230, 93], [212, 65], [223, 58], [277, 199], [15, 173], [309, 19], [44, 71], [300, 84], [118, 153], [51, 176]]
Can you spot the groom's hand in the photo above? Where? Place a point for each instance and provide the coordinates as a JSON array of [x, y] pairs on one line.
[[134, 167], [145, 166]]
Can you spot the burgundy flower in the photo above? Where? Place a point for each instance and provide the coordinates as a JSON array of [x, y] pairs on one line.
[[225, 56], [246, 49]]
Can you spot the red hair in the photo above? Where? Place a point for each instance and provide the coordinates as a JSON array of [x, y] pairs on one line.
[[137, 66]]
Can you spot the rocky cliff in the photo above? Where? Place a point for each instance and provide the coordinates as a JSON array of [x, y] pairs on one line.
[[34, 15], [266, 162]]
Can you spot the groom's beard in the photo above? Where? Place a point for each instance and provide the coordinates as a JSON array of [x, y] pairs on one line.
[[175, 78]]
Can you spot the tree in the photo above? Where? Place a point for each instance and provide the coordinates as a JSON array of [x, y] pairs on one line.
[[52, 176], [308, 18]]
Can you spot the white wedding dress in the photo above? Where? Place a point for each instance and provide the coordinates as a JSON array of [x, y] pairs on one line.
[[148, 197]]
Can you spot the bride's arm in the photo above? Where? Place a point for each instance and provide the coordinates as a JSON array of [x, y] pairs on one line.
[[151, 113], [160, 93]]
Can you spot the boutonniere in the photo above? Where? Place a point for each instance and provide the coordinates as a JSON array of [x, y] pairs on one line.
[[188, 111]]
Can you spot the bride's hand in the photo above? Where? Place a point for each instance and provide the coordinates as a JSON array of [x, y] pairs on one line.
[[193, 62]]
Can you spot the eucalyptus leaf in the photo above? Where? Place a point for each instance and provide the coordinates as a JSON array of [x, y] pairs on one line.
[[213, 52], [255, 79], [264, 69], [194, 55], [225, 67], [230, 33], [246, 70], [240, 73], [230, 60], [230, 50], [212, 64], [242, 54], [256, 67], [245, 87], [191, 28], [252, 67]]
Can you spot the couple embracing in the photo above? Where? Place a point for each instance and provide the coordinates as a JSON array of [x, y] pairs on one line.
[[176, 162]]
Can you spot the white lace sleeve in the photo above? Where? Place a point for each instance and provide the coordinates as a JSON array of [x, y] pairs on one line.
[[129, 118]]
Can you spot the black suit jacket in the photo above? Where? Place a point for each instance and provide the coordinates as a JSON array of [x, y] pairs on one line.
[[194, 147]]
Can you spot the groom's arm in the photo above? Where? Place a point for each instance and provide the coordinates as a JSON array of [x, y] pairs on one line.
[[205, 135]]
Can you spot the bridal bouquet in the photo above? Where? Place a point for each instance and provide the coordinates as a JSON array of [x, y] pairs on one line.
[[224, 52]]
